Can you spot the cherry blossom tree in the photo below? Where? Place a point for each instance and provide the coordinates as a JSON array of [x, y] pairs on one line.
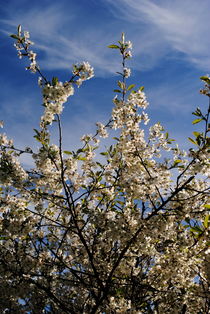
[[126, 232]]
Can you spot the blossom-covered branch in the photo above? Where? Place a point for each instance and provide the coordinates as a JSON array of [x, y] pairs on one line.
[[126, 234]]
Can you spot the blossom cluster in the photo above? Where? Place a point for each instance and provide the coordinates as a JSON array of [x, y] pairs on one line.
[[138, 98], [206, 89], [84, 71], [101, 130], [124, 111], [126, 47], [54, 96], [22, 45], [11, 171]]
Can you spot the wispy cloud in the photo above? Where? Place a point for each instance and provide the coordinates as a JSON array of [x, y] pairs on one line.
[[163, 33], [182, 26], [64, 37], [158, 29]]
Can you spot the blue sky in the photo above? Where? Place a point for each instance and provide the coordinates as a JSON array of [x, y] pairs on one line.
[[170, 52]]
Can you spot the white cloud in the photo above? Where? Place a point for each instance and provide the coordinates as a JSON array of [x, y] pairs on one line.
[[66, 33], [64, 38], [157, 28], [181, 25]]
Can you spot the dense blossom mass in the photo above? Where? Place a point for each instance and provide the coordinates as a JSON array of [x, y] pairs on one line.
[[129, 234]]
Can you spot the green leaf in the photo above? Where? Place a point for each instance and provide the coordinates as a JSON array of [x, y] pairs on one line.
[[113, 47], [192, 141], [187, 220], [205, 79], [54, 80], [14, 36], [197, 121], [81, 158], [117, 91], [67, 152], [207, 206], [104, 153], [206, 221], [170, 140], [141, 88], [177, 161], [197, 113], [80, 150], [196, 134], [131, 86], [121, 85], [37, 138], [37, 132], [196, 229], [198, 141], [4, 237], [19, 30]]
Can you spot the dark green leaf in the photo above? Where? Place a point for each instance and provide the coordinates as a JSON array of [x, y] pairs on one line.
[[205, 79], [14, 36], [80, 150], [37, 132], [196, 229], [54, 80], [197, 113], [4, 237], [187, 220]]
